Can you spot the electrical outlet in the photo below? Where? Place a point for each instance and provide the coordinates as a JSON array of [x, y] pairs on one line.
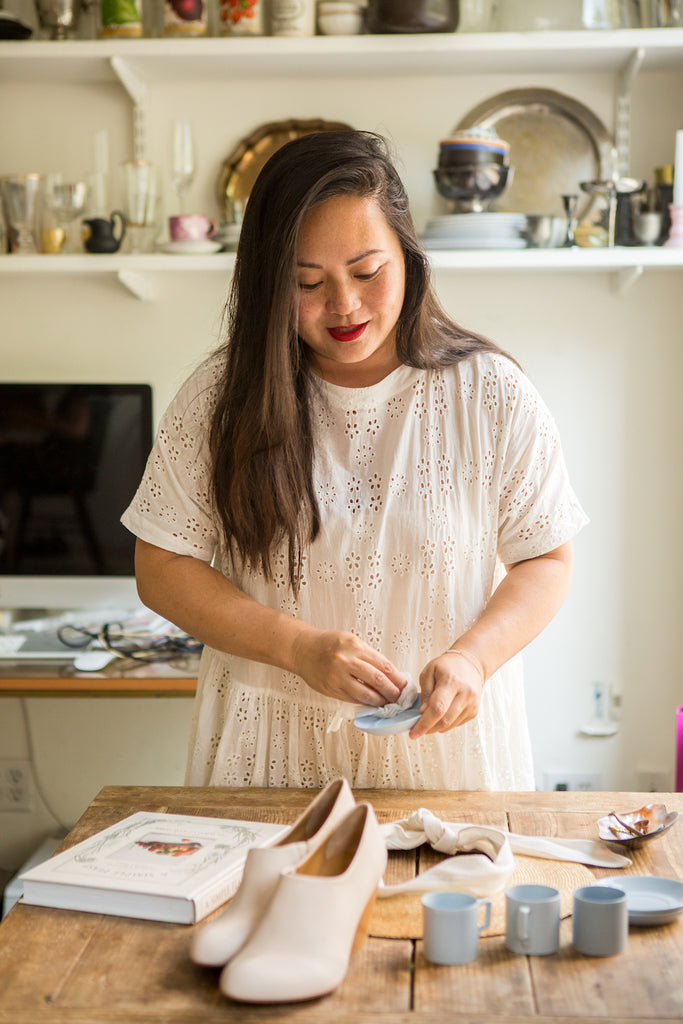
[[575, 781], [16, 786], [652, 781]]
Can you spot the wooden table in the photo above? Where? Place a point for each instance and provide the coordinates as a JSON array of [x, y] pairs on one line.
[[75, 968]]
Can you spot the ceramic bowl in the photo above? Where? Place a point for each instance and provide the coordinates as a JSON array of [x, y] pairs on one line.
[[459, 152], [340, 19], [630, 829]]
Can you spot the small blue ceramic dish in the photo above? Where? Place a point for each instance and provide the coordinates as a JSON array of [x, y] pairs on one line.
[[379, 726]]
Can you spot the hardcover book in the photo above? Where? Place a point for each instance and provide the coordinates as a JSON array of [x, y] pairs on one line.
[[155, 866]]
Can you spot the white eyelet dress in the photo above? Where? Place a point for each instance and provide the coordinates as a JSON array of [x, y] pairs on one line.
[[427, 482]]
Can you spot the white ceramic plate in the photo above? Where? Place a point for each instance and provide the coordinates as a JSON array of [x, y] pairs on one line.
[[513, 231], [650, 900], [192, 247], [476, 221], [474, 243], [401, 722]]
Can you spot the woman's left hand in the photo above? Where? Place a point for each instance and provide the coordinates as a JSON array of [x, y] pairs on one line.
[[522, 605], [451, 693]]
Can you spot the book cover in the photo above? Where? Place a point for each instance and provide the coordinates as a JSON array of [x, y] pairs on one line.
[[151, 865]]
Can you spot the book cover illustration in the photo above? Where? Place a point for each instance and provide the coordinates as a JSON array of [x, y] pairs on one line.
[[166, 851]]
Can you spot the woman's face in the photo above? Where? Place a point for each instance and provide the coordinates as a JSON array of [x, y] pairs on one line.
[[351, 275]]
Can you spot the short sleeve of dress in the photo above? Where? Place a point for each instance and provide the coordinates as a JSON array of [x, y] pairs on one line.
[[172, 506], [538, 509]]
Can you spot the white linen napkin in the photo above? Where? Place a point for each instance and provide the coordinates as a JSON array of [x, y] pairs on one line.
[[347, 712], [490, 862], [407, 697]]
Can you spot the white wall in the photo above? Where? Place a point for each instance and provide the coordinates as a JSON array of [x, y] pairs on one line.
[[608, 365]]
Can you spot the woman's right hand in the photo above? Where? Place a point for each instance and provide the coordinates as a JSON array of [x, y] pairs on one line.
[[341, 665]]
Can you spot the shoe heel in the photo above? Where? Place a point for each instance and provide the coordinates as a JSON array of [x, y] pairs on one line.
[[363, 928]]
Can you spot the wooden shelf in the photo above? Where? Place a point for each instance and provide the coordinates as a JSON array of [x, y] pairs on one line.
[[136, 64], [657, 257], [138, 273], [172, 60]]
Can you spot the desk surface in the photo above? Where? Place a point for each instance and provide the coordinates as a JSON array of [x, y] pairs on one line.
[[121, 678], [74, 968]]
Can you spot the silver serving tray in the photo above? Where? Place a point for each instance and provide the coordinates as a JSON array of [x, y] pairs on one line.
[[555, 143]]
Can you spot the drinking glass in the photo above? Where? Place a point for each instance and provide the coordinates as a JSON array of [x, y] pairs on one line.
[[182, 159], [59, 17], [19, 195], [140, 192], [141, 205], [66, 201], [647, 226]]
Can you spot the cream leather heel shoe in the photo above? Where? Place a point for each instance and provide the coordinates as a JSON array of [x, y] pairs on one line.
[[220, 939], [317, 918]]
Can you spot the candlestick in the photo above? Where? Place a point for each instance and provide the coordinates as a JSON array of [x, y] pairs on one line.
[[101, 143], [678, 170], [675, 239]]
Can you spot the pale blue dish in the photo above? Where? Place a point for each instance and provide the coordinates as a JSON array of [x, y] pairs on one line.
[[650, 900], [379, 726]]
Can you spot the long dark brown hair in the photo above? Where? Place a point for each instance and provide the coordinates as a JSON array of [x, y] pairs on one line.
[[261, 436]]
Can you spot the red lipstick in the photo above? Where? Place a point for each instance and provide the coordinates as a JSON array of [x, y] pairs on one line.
[[350, 333]]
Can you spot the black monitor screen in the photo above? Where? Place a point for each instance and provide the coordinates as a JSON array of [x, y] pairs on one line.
[[71, 458]]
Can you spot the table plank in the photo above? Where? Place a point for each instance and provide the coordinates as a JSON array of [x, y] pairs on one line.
[[647, 978], [496, 984]]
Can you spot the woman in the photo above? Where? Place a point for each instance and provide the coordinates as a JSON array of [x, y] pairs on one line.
[[353, 491]]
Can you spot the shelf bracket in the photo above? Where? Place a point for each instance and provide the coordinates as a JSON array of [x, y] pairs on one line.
[[138, 284], [626, 278], [137, 90], [622, 114]]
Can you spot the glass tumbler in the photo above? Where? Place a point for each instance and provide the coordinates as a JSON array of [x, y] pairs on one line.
[[20, 202]]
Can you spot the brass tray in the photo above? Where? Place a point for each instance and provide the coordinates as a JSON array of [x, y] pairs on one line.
[[241, 168], [555, 143]]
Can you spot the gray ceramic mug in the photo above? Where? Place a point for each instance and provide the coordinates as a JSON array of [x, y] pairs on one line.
[[451, 926], [532, 919], [600, 924]]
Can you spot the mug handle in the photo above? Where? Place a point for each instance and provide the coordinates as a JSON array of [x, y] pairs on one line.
[[487, 921], [523, 915], [213, 228], [122, 221]]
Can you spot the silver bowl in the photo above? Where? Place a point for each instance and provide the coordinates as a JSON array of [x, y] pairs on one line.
[[541, 231], [473, 187]]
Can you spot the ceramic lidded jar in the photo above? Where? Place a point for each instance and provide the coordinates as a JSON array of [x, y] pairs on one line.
[[478, 145], [241, 17], [185, 18], [384, 16]]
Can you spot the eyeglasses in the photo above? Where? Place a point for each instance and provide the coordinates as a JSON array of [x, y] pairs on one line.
[[126, 644]]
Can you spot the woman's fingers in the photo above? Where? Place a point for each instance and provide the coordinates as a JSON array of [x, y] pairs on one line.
[[451, 694], [341, 665]]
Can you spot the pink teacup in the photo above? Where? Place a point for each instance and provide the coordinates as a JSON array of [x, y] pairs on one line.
[[191, 227]]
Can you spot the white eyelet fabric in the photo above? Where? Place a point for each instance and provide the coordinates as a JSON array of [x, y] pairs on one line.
[[427, 482]]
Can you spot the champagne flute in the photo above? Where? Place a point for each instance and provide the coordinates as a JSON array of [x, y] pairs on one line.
[[183, 159]]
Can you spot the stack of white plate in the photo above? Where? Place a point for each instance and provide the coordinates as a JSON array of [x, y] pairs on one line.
[[476, 231]]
